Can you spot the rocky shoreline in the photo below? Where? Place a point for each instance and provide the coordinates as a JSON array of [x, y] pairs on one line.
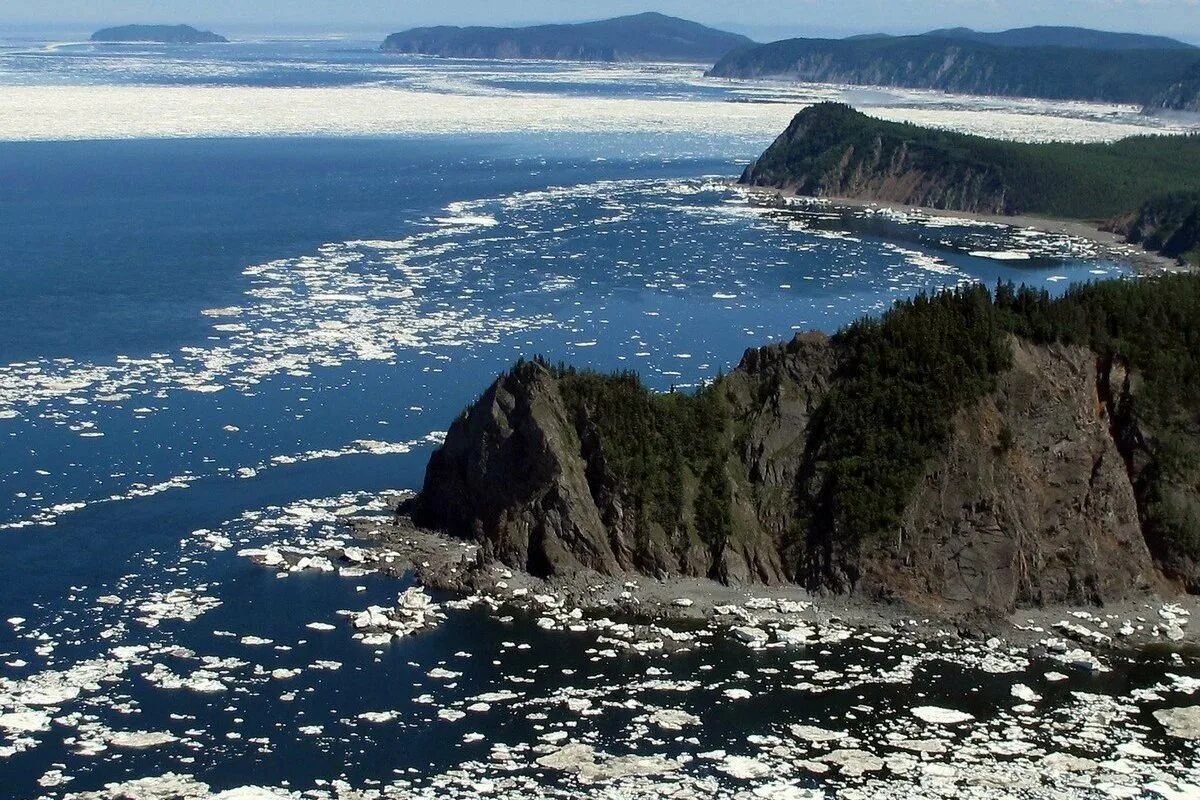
[[760, 615], [894, 701], [1109, 245]]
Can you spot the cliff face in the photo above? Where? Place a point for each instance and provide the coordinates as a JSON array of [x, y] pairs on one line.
[[1182, 95], [827, 152], [962, 65], [1168, 224], [1030, 500], [1029, 503], [512, 475]]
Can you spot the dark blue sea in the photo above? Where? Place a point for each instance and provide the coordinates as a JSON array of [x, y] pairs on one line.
[[210, 344]]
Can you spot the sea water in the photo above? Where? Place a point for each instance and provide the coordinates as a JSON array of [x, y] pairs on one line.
[[230, 329]]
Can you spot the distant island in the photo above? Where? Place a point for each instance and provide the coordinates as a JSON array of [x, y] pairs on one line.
[[1042, 62], [642, 37], [162, 34], [1144, 187]]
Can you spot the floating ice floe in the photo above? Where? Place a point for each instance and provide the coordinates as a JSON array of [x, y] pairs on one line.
[[941, 716]]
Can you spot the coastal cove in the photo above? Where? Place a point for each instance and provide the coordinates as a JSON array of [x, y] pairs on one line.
[[238, 325], [1111, 245]]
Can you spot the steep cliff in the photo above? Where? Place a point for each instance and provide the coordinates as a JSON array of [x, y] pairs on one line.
[[1168, 224], [1181, 95], [1028, 502], [957, 63], [830, 150], [957, 452], [641, 37]]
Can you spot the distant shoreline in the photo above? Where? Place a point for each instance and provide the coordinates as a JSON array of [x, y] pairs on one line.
[[1113, 245]]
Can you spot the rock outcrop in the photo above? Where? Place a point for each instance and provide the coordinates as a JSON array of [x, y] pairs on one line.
[[1032, 499], [1029, 503], [1182, 95], [1168, 224], [831, 150], [513, 476]]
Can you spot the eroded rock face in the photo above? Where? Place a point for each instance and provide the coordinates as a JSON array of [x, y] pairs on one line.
[[511, 475], [527, 478], [822, 154], [1031, 501]]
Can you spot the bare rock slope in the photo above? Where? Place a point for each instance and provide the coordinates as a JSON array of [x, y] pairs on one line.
[[1029, 502]]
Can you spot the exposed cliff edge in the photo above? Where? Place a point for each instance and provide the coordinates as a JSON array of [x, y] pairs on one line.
[[961, 451], [641, 37], [1168, 224], [1049, 63], [831, 150], [1182, 95], [159, 34]]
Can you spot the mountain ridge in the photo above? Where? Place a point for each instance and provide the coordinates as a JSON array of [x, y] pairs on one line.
[[1064, 36], [966, 65], [640, 37]]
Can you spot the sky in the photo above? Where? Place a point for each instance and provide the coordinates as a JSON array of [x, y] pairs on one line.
[[764, 20]]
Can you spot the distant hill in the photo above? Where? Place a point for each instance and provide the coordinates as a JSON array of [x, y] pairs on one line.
[[1051, 36], [643, 37], [1052, 63], [164, 34]]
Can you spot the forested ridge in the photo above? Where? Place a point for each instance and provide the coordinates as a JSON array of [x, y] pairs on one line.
[[953, 61], [1144, 186], [674, 460]]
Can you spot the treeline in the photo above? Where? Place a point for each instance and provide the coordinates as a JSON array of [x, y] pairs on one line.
[[667, 452]]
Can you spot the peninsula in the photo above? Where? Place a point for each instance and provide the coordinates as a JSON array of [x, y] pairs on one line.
[[1143, 187], [975, 449]]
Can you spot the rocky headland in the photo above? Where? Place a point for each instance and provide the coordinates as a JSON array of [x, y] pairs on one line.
[[966, 453], [1141, 187]]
